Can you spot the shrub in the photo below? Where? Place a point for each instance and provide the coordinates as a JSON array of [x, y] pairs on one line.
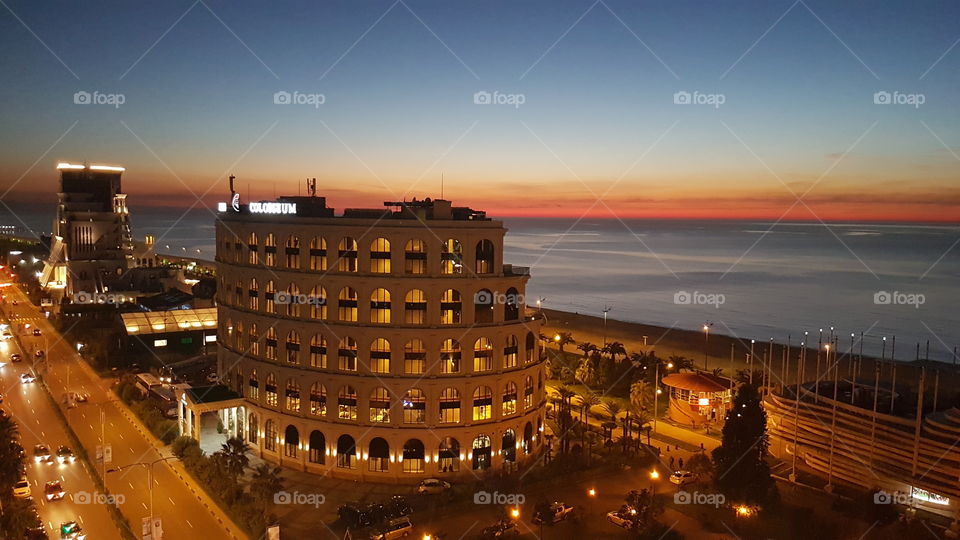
[[180, 445]]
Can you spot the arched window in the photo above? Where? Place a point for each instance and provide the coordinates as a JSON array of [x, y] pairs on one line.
[[291, 441], [347, 252], [252, 248], [346, 452], [484, 264], [239, 337], [531, 348], [347, 354], [450, 406], [253, 300], [413, 455], [380, 356], [254, 338], [380, 256], [450, 307], [253, 429], [292, 401], [415, 257], [318, 351], [293, 347], [509, 405], [269, 295], [414, 407], [448, 456], [508, 446], [318, 400], [270, 250], [482, 355], [510, 352], [528, 438], [378, 455], [270, 436], [415, 307], [318, 253], [347, 304], [318, 447], [238, 290], [253, 391], [483, 306], [414, 357], [380, 306], [292, 251], [318, 303], [270, 390], [380, 406], [271, 344], [451, 257], [482, 403], [482, 450], [293, 300], [347, 403], [512, 305], [450, 354], [528, 392]]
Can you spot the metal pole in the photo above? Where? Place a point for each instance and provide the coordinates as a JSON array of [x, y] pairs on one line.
[[796, 416], [656, 395], [833, 418], [750, 366]]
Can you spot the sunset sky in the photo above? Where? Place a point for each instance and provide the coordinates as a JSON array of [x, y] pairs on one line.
[[598, 131]]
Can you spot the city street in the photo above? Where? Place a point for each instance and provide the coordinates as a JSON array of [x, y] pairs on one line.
[[183, 514]]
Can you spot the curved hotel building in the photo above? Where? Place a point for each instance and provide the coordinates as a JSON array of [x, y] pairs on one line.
[[379, 344]]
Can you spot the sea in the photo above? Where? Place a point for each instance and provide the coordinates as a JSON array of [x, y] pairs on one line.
[[749, 279]]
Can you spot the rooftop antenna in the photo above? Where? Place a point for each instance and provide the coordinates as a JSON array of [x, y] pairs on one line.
[[312, 187], [232, 178]]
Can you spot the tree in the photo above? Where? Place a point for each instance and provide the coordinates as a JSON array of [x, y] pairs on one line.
[[18, 516], [564, 417], [681, 363], [742, 474], [700, 465], [587, 402], [264, 483], [11, 462], [586, 347], [585, 373], [612, 408], [641, 394], [235, 458], [562, 339], [615, 349]]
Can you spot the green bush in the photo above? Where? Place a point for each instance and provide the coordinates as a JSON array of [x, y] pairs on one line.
[[180, 445]]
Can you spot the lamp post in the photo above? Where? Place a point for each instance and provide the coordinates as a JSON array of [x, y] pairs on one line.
[[656, 393], [591, 494], [654, 476], [706, 338], [752, 341], [103, 440], [149, 466]]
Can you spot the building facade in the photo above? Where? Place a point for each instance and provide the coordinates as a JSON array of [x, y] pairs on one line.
[[385, 345]]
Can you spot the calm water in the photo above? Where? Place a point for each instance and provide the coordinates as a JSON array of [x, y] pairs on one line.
[[744, 280]]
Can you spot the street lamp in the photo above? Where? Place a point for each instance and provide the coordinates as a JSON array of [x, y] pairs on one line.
[[706, 338], [149, 466], [656, 394], [592, 495], [654, 476], [515, 513]]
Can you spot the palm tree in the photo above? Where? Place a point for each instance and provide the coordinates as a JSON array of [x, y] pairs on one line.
[[566, 394], [562, 339], [718, 371], [642, 418], [615, 349], [265, 482], [640, 394], [588, 402], [586, 347], [11, 464], [681, 363], [612, 408], [235, 458], [585, 373]]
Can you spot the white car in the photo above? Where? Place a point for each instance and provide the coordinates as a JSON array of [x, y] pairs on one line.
[[395, 528], [622, 518], [558, 512], [682, 478], [21, 489], [27, 378], [432, 486]]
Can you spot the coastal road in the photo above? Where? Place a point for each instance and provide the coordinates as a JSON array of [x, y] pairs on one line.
[[183, 512]]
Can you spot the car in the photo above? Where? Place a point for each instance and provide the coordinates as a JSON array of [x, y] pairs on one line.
[[555, 512], [65, 455], [36, 331], [15, 357], [22, 489], [15, 302], [501, 529], [81, 397], [70, 530], [7, 335], [53, 490], [395, 528], [624, 517], [26, 378], [213, 378], [39, 354], [41, 454], [432, 486], [682, 478]]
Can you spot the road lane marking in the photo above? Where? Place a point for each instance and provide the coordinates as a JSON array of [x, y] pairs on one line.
[[188, 523], [171, 501], [144, 505]]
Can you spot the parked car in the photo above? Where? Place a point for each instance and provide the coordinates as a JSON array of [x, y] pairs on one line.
[[624, 517], [682, 478], [7, 335], [65, 455], [15, 357], [53, 490], [397, 507], [501, 529], [395, 528], [39, 354], [22, 489], [432, 486], [36, 331], [553, 513], [27, 378]]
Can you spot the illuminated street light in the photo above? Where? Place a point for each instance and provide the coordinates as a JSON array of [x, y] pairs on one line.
[[654, 475], [515, 513], [556, 337], [592, 492]]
